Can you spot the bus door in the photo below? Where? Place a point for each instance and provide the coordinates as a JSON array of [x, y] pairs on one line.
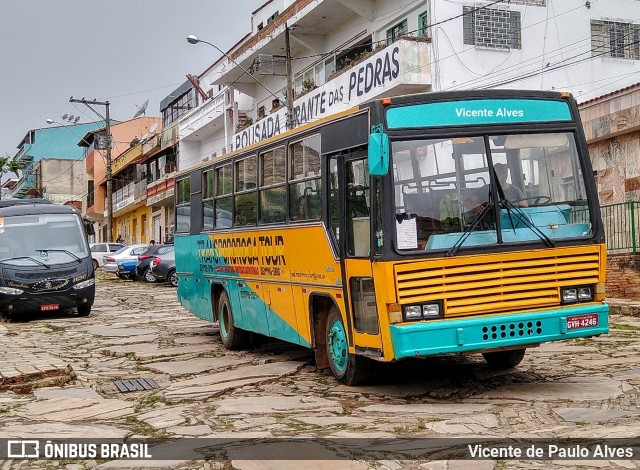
[[355, 224]]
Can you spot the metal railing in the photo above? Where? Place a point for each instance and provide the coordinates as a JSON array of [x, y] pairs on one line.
[[619, 221]]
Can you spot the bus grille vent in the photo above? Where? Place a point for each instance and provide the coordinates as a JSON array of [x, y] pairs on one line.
[[46, 274], [489, 284]]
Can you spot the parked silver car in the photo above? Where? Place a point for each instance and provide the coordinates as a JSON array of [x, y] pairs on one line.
[[128, 253], [99, 250]]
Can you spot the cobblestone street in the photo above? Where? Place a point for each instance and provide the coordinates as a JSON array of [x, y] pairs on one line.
[[58, 374]]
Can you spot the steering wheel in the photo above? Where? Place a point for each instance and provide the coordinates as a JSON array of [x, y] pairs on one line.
[[536, 200]]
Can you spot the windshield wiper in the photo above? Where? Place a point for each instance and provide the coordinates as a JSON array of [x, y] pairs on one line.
[[25, 257], [472, 226], [521, 216], [503, 202], [61, 251]]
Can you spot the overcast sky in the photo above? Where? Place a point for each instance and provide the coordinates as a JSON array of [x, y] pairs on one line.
[[123, 51]]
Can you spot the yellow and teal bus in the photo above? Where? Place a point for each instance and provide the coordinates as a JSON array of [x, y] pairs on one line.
[[409, 226]]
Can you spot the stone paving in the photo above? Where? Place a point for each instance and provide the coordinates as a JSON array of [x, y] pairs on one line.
[[58, 372]]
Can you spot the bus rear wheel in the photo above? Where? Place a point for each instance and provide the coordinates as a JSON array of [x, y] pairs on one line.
[[232, 337], [347, 368], [504, 359]]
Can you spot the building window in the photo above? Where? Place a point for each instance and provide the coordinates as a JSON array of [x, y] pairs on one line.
[[423, 30], [615, 39], [492, 28], [273, 17], [180, 106], [399, 30], [323, 71]]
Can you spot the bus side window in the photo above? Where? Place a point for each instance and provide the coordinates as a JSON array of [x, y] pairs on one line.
[[358, 209], [334, 201]]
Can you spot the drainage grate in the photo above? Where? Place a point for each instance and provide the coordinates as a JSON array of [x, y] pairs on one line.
[[134, 385]]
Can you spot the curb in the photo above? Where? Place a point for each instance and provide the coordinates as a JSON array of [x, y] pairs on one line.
[[624, 307]]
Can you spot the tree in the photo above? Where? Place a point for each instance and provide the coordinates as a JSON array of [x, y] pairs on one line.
[[8, 165]]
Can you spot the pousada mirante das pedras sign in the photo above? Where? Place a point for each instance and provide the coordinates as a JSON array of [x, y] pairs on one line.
[[381, 72]]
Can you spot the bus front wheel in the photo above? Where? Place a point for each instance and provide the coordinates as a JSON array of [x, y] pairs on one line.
[[84, 310], [347, 368], [504, 359], [232, 337]]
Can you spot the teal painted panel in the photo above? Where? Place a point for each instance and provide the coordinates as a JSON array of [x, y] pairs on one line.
[[196, 255], [452, 336], [60, 142], [477, 112]]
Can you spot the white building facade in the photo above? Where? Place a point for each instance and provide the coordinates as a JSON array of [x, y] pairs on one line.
[[345, 52]]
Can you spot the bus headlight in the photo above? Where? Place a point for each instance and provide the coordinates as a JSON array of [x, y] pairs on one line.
[[83, 284], [10, 291], [585, 294], [577, 294], [413, 312], [423, 311]]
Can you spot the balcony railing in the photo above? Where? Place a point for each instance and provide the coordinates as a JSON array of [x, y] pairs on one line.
[[203, 115]]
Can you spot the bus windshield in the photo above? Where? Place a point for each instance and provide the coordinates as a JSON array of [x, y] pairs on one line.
[[42, 239], [446, 197]]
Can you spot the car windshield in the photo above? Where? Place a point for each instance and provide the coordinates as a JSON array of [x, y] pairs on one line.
[[447, 197], [28, 240]]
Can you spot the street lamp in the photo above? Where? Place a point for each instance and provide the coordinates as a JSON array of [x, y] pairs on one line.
[[192, 39]]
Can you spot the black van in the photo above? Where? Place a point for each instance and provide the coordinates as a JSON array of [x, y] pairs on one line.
[[45, 262]]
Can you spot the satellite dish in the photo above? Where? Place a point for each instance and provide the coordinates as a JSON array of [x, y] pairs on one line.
[[65, 116], [144, 138], [141, 110], [153, 128], [76, 119], [71, 117], [134, 142]]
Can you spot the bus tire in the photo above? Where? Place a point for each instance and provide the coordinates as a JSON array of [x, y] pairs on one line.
[[96, 265], [84, 310], [504, 359], [349, 369], [233, 338]]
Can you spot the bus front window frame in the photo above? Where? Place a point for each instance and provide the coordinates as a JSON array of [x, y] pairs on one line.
[[429, 172]]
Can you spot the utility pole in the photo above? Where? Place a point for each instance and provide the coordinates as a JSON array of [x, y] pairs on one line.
[[290, 117], [87, 103]]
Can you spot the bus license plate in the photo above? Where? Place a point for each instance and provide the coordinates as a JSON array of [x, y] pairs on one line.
[[44, 308], [582, 321]]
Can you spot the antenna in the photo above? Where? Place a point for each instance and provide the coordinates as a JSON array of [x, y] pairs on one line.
[[75, 121], [71, 117], [142, 109], [153, 128], [65, 116]]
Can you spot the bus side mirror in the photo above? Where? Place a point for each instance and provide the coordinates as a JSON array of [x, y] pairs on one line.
[[378, 153], [88, 227]]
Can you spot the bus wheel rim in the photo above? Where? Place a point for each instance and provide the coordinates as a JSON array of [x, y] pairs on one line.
[[338, 352], [223, 322]]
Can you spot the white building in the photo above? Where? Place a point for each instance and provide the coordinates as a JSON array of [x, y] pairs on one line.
[[398, 47]]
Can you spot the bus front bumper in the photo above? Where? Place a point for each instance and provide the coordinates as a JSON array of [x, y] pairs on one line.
[[428, 338], [45, 302]]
